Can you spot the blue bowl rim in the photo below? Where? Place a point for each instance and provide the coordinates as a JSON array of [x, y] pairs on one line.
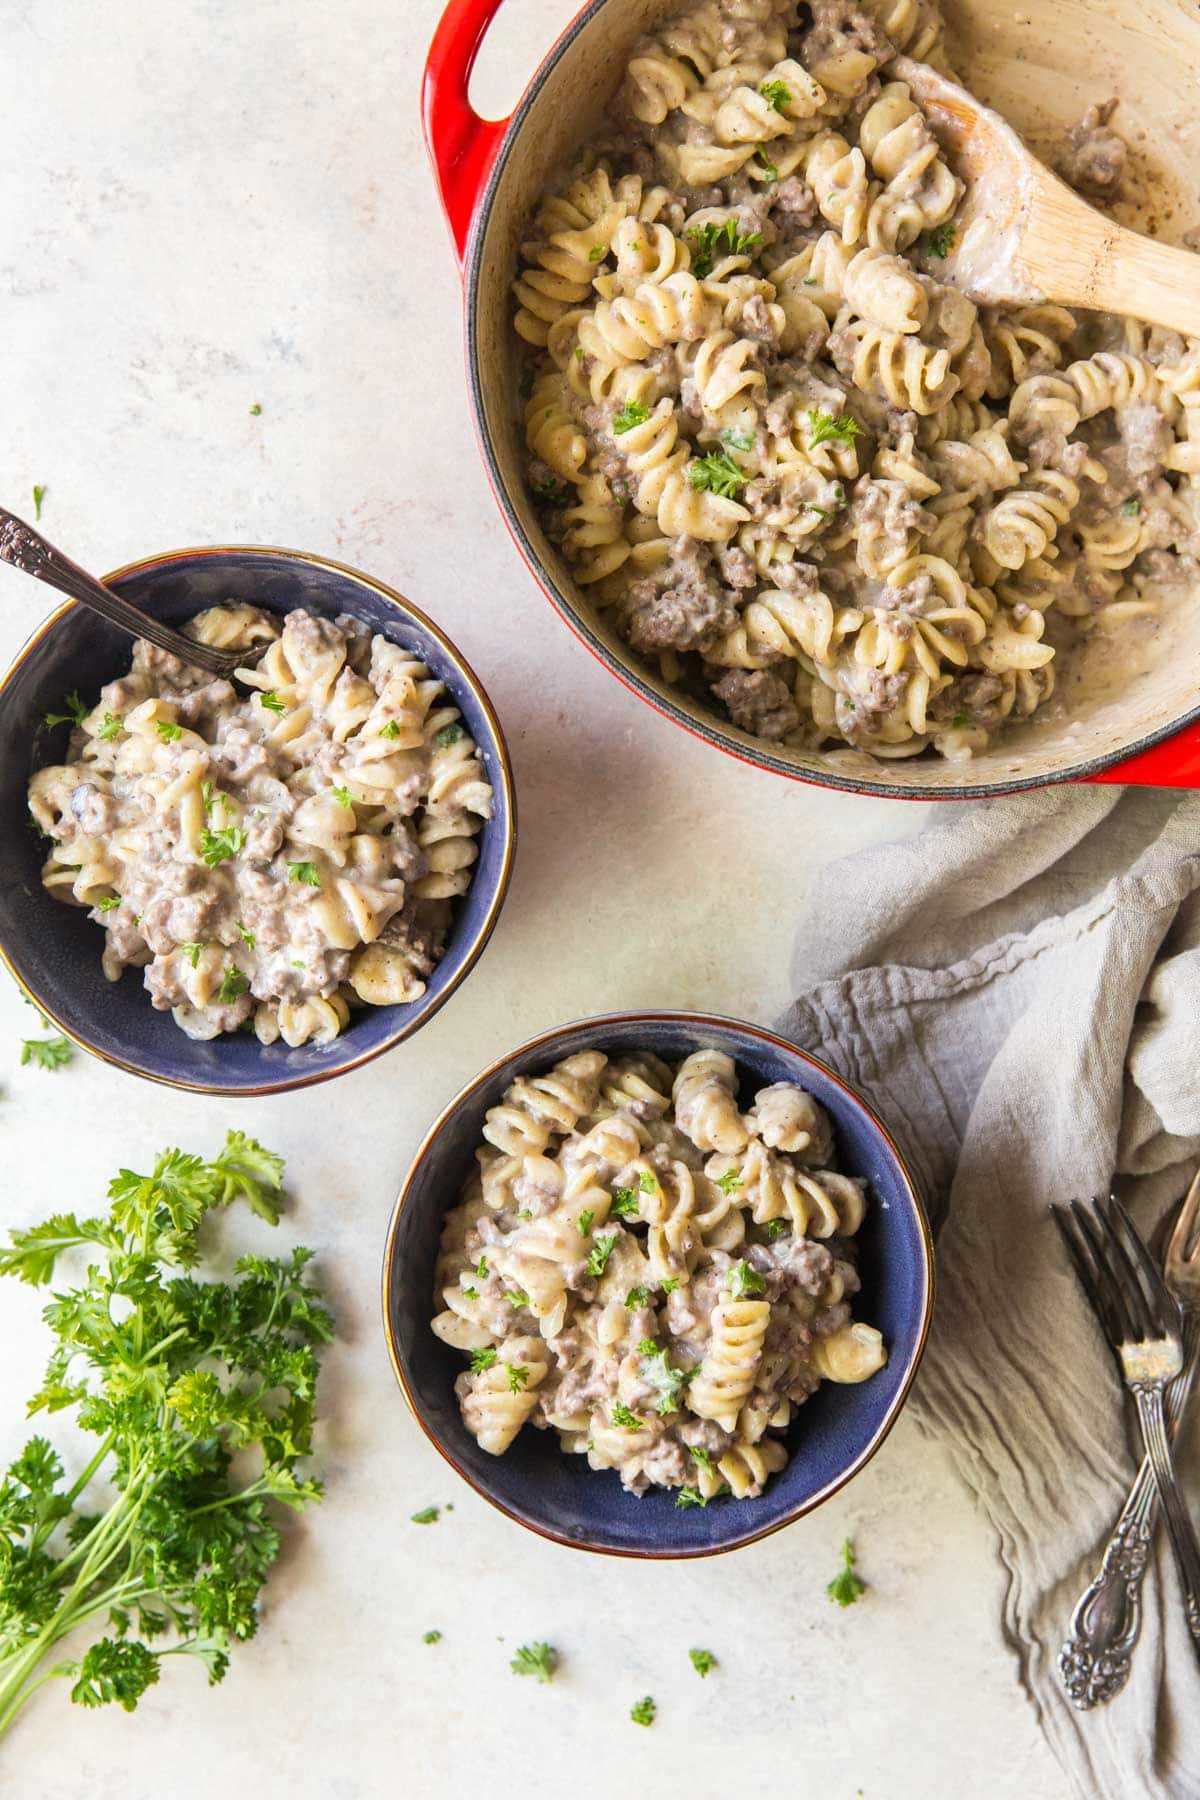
[[286, 1084], [700, 1022]]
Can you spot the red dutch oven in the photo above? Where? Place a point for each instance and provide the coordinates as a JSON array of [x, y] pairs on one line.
[[1138, 726]]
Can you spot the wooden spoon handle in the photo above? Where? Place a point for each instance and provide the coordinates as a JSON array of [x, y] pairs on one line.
[[1148, 280], [1078, 256]]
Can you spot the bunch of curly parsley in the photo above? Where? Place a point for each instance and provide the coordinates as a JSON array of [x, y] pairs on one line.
[[201, 1395]]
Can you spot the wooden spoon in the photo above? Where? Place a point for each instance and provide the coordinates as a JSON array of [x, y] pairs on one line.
[[1022, 236]]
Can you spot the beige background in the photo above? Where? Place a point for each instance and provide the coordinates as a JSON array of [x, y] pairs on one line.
[[209, 204]]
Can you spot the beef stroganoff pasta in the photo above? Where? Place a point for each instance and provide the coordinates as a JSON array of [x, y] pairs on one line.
[[806, 477], [652, 1273], [270, 859]]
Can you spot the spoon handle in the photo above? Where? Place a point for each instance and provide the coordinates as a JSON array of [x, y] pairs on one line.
[[27, 550]]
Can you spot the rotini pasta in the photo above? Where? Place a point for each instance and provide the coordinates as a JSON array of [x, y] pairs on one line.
[[651, 1272]]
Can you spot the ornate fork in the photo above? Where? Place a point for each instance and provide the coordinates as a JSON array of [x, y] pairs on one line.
[[1142, 1324], [1095, 1658], [27, 550]]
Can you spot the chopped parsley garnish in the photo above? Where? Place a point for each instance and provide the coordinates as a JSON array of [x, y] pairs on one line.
[[940, 241], [631, 414], [777, 92], [669, 1286], [109, 727], [738, 440], [643, 1711], [585, 1221], [518, 1377], [108, 902], [305, 872], [482, 1268], [233, 983], [961, 720], [191, 951], [826, 429], [74, 713], [772, 173], [648, 1347], [846, 1586], [206, 796], [717, 473], [45, 1053], [774, 1228], [647, 1182], [515, 1297], [168, 730], [391, 729], [821, 511], [450, 734], [39, 494], [689, 1496], [700, 1455], [247, 937], [702, 1661], [426, 1516], [601, 1250], [539, 1660], [551, 491], [622, 1415], [597, 253], [637, 1296], [728, 1181], [625, 1201], [1131, 507], [713, 240], [343, 797], [270, 699], [741, 1280], [431, 1637], [217, 846], [472, 1293], [657, 1373], [482, 1359], [256, 409]]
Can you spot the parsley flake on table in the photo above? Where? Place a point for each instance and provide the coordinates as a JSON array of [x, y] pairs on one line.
[[305, 872], [717, 473], [234, 983], [741, 1280], [173, 1376], [218, 846], [825, 428], [431, 1637], [483, 1358], [846, 1587], [601, 1250], [256, 409], [777, 92], [426, 1516], [627, 416], [270, 699], [702, 1661], [642, 1711], [625, 1417], [45, 1053], [74, 711], [538, 1660], [39, 494]]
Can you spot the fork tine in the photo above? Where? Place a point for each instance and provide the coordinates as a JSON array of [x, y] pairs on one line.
[[1164, 1310], [1116, 1315], [1085, 1269], [1136, 1306]]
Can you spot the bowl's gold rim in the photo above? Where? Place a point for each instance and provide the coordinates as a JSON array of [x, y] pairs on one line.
[[700, 1021], [487, 925]]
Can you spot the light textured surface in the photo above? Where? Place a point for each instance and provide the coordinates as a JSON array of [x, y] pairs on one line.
[[208, 206]]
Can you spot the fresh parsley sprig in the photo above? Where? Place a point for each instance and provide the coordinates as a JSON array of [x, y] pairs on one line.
[[707, 242], [172, 1376], [717, 473], [538, 1660], [846, 1587], [826, 429]]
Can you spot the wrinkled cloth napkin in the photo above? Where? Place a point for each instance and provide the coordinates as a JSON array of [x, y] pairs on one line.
[[1017, 992]]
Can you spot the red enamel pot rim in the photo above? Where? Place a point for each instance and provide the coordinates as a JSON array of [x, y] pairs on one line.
[[469, 155]]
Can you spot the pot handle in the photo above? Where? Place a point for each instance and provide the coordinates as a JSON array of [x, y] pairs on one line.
[[462, 146], [1175, 763]]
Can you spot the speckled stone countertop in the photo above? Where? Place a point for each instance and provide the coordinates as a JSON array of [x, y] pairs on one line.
[[211, 206]]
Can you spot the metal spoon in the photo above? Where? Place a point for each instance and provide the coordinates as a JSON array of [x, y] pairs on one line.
[[1022, 236], [27, 550]]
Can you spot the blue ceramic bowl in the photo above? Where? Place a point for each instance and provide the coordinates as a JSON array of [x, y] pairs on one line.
[[833, 1434], [52, 949]]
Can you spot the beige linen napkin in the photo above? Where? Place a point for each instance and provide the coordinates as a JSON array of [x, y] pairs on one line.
[[1017, 991]]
